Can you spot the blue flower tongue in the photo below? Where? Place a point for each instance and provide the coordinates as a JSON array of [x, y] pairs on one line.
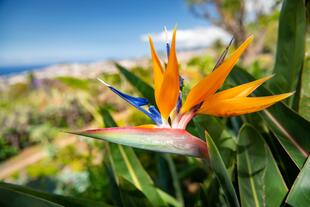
[[168, 49], [155, 115], [137, 102], [167, 43]]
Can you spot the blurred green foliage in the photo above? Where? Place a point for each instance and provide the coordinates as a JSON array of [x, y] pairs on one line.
[[36, 111], [31, 115]]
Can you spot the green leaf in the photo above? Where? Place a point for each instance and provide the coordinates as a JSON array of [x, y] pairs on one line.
[[163, 178], [223, 140], [132, 196], [115, 190], [217, 130], [124, 192], [14, 195], [260, 181], [221, 172], [175, 178], [107, 118], [291, 129], [169, 199], [299, 194], [304, 108], [126, 164], [145, 89], [290, 49], [11, 198], [211, 193]]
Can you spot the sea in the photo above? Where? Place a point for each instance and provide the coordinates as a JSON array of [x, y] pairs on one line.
[[13, 70]]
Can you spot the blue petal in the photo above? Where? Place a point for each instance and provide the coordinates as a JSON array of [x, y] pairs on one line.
[[138, 102], [179, 103], [168, 49], [155, 115], [197, 106], [181, 79], [135, 101]]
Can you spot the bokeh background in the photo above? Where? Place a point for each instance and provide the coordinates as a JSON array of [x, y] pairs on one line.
[[52, 51]]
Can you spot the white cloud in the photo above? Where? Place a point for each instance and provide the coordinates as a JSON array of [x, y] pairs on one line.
[[191, 38], [252, 6], [264, 6]]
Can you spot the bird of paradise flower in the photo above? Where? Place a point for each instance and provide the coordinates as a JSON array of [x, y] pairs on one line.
[[171, 116]]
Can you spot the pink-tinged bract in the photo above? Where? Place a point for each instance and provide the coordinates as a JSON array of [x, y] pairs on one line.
[[177, 141]]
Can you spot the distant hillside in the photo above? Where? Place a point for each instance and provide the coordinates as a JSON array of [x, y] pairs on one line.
[[92, 70]]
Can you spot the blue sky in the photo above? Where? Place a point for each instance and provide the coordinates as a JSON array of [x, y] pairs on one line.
[[50, 31]]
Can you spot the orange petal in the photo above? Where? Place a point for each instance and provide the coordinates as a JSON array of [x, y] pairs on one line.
[[211, 83], [240, 105], [147, 126], [239, 91], [157, 70], [169, 90]]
